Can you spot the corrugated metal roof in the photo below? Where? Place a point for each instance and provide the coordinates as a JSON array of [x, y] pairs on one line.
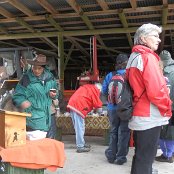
[[80, 19]]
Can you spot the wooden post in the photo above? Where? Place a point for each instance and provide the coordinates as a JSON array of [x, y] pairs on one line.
[[61, 61]]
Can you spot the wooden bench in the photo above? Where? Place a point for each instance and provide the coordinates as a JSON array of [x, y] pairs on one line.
[[94, 125]]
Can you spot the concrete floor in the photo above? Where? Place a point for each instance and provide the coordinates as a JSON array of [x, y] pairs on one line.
[[94, 162]]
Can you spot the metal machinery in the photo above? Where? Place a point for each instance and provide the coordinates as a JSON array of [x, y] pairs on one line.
[[12, 56], [10, 61], [91, 75]]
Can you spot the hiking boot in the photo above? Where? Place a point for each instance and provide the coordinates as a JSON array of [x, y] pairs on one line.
[[82, 149], [87, 145], [121, 161], [162, 158], [110, 160]]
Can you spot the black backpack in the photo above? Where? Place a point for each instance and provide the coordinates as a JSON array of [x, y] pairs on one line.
[[125, 107]]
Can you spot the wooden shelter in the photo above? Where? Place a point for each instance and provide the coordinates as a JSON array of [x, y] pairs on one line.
[[63, 28]]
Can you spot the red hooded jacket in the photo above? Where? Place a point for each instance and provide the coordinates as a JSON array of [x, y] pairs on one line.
[[152, 104]]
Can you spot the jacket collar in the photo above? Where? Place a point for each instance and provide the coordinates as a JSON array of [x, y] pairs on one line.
[[143, 49]]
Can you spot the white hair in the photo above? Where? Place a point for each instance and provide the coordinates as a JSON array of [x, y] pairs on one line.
[[145, 30]]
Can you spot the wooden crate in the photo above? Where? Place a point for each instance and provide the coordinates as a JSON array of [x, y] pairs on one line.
[[12, 128]]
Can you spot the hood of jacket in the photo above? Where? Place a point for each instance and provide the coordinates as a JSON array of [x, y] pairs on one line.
[[166, 58], [144, 50]]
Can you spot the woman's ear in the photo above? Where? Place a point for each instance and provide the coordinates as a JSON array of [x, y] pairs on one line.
[[143, 40]]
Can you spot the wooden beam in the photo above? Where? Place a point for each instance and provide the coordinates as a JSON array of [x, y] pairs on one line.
[[103, 44], [23, 43], [45, 4], [61, 61], [68, 56], [37, 49], [50, 19], [99, 46], [30, 28], [103, 4], [71, 33], [75, 6], [165, 2], [21, 7], [125, 25], [129, 39], [133, 4], [164, 15], [164, 22], [24, 24], [45, 51], [111, 19], [86, 20], [4, 30], [161, 46], [80, 48], [77, 33], [48, 41], [91, 13], [6, 13], [59, 28], [79, 10], [9, 44]]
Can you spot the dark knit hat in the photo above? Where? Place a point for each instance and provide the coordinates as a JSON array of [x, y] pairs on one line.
[[121, 58]]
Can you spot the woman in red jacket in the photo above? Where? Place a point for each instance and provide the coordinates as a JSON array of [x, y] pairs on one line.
[[86, 98], [153, 108]]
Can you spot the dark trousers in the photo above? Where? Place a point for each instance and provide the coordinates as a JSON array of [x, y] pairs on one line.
[[53, 128], [119, 138], [145, 142]]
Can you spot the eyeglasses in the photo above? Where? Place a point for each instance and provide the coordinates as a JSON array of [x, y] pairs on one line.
[[155, 35]]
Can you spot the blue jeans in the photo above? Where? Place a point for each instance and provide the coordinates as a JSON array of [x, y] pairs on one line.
[[167, 147], [53, 128], [79, 126], [119, 138]]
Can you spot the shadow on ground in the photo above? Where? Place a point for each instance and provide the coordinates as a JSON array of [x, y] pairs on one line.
[[94, 162]]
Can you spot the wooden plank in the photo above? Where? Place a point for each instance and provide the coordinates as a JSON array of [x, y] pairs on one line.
[[133, 4], [45, 4], [103, 4], [21, 7], [6, 13]]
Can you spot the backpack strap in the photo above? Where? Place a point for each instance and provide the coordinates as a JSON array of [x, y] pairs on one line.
[[114, 73]]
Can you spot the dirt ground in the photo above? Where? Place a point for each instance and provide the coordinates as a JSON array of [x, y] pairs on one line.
[[94, 162]]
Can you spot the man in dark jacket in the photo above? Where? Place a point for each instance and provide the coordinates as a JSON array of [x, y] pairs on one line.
[[119, 132]]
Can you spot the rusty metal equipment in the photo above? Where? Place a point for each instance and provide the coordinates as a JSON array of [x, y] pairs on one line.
[[91, 75]]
